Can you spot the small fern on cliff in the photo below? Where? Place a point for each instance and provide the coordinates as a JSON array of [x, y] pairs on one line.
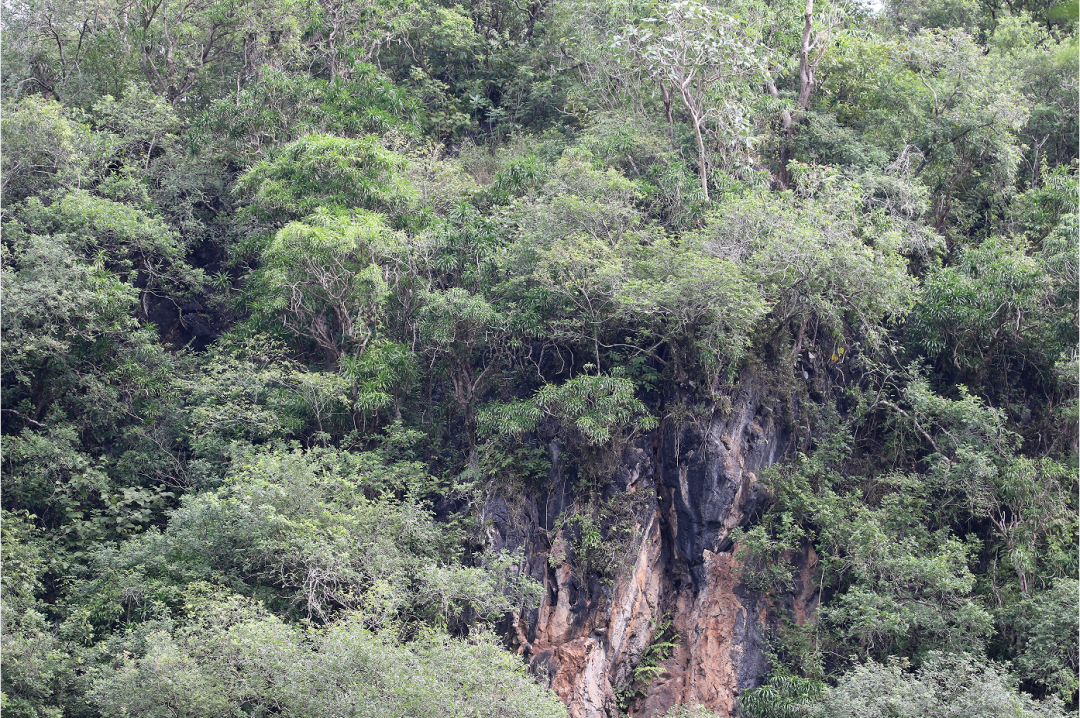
[[648, 667], [656, 652]]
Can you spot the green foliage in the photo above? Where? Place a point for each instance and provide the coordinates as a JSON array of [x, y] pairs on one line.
[[689, 710], [40, 671], [648, 667], [379, 374], [945, 684], [84, 385], [901, 585], [593, 406], [455, 320], [326, 172], [241, 395], [761, 551], [139, 124], [641, 150], [423, 253], [324, 531], [281, 107], [972, 314], [459, 325], [133, 245], [56, 304], [944, 111], [690, 297], [237, 659], [1038, 211], [658, 650], [700, 53], [822, 265], [321, 280], [44, 148], [164, 682], [974, 463], [597, 538], [781, 696], [1044, 625]]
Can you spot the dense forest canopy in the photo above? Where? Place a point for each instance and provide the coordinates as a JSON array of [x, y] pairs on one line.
[[291, 287]]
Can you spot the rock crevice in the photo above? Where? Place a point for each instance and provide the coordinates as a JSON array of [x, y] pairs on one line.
[[700, 480]]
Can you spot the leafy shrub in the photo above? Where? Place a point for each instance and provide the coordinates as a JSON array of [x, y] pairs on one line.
[[234, 659], [946, 684]]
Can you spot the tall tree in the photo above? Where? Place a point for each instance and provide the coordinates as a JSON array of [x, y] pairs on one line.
[[693, 48]]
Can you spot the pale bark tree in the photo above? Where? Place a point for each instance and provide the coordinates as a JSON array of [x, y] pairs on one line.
[[351, 31], [325, 281], [174, 40], [816, 35], [690, 48]]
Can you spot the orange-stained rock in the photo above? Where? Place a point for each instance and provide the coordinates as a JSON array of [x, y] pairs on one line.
[[714, 637], [586, 638]]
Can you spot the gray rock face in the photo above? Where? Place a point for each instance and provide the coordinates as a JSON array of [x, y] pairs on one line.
[[705, 464], [694, 481]]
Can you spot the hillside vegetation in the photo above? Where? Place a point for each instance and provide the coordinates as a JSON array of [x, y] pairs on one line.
[[291, 287]]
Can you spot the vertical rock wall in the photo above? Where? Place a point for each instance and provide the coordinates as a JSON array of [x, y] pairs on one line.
[[695, 481]]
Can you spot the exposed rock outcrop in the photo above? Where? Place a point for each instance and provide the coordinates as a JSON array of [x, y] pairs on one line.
[[696, 481]]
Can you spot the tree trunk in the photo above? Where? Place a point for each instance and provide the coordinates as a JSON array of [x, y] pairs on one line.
[[784, 176], [667, 103], [685, 92], [701, 157], [807, 70], [806, 65]]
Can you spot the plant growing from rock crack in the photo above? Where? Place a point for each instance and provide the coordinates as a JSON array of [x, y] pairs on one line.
[[656, 652], [648, 667]]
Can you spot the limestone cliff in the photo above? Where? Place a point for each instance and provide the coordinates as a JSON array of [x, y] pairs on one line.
[[694, 481]]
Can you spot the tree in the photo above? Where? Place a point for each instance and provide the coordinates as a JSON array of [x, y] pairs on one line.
[[690, 298], [84, 385], [976, 462], [694, 48], [322, 280], [1043, 627], [347, 33], [942, 100], [944, 685], [44, 148], [178, 43], [596, 407], [137, 247], [326, 172], [820, 262], [464, 330], [812, 48], [231, 656], [51, 47], [781, 696], [571, 245], [281, 107]]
